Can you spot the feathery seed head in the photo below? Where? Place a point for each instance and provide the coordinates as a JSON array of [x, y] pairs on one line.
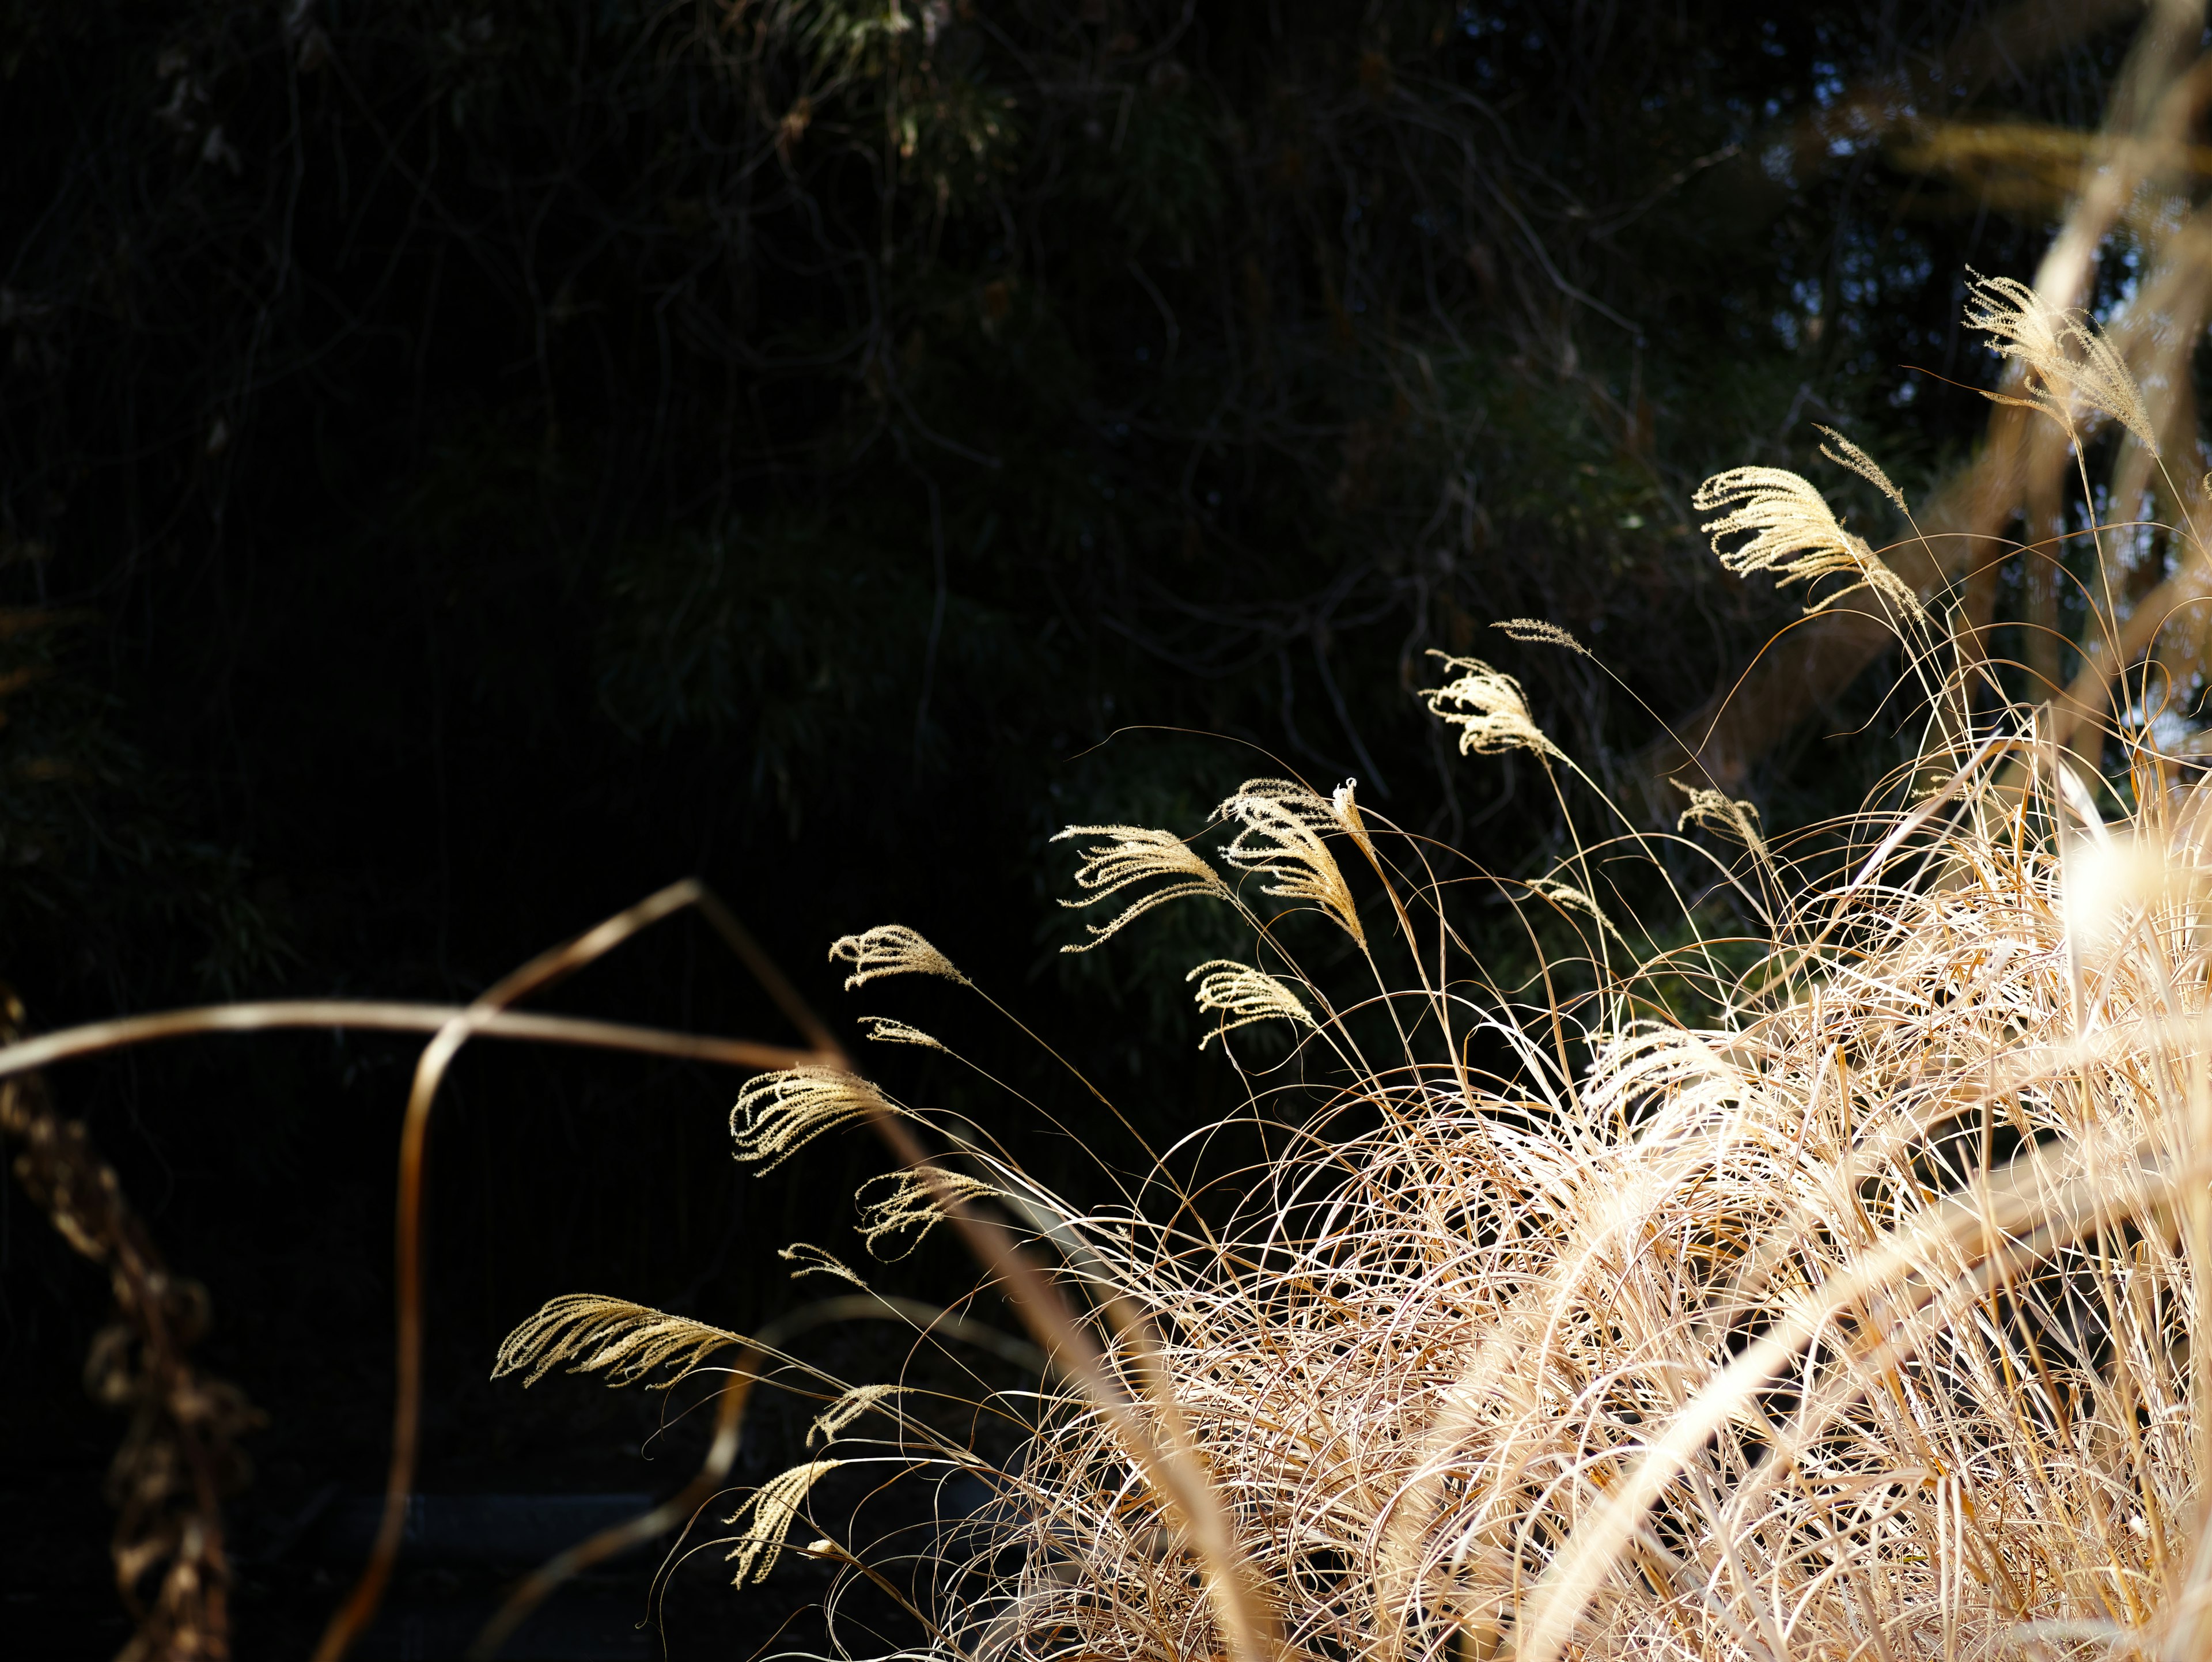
[[1844, 453], [849, 1408], [2067, 363], [1535, 631], [1242, 995], [813, 1260], [1279, 837], [1487, 708], [591, 1333], [913, 1199], [1722, 813], [883, 1030], [890, 949], [773, 1508], [1568, 897], [1137, 855], [2027, 330], [1794, 534], [780, 1113]]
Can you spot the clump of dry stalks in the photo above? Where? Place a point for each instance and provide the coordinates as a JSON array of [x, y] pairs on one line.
[[1856, 1323]]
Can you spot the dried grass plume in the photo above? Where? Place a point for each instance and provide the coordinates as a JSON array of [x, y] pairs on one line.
[[1794, 534], [592, 1335], [779, 1113], [2067, 362], [897, 1202], [772, 1510], [1720, 813], [849, 1408], [1487, 707], [1279, 824], [1132, 856], [1842, 451], [1535, 631], [890, 949], [886, 1030], [1242, 995]]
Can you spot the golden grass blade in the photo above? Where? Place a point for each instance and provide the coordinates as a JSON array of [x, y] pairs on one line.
[[2056, 1196]]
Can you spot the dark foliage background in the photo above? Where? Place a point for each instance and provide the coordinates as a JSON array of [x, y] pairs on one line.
[[462, 467]]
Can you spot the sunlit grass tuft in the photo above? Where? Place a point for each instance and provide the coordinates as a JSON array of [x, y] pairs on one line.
[[1853, 1319]]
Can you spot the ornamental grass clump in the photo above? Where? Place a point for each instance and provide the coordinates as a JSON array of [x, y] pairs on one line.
[[1853, 1317]]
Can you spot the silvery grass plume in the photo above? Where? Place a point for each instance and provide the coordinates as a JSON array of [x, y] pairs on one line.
[[897, 1202], [1722, 813], [765, 1519], [1535, 630], [849, 1407], [1242, 995], [890, 949], [1487, 707], [1279, 835], [781, 1112], [1794, 534], [1132, 857], [1855, 1320], [627, 1342], [2069, 366]]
